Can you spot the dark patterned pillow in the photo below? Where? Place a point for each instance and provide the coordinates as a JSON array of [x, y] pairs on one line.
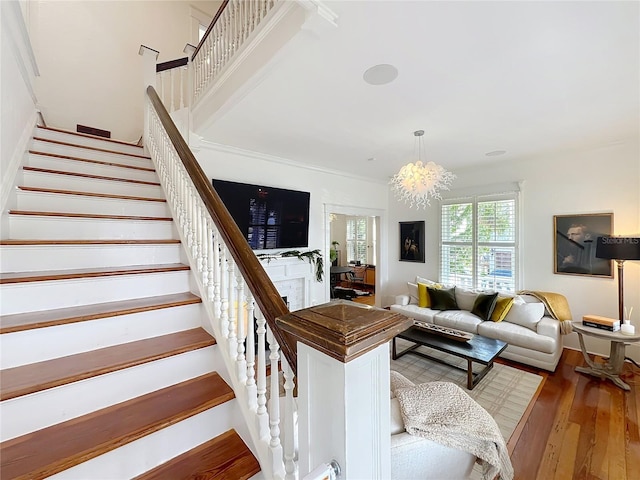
[[484, 305], [443, 298]]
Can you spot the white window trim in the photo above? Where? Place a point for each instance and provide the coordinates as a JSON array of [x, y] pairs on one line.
[[484, 193]]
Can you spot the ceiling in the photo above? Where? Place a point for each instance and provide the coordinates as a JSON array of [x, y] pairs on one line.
[[530, 78]]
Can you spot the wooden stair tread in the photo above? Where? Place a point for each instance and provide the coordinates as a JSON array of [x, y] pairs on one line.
[[224, 457], [89, 194], [88, 160], [67, 144], [89, 215], [94, 137], [86, 175], [117, 241], [18, 277], [18, 322], [35, 377], [59, 447]]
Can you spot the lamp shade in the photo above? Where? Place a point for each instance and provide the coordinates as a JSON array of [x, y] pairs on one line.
[[618, 248]]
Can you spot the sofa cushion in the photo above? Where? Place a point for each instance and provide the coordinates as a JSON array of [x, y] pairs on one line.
[[458, 319], [397, 424], [443, 298], [503, 305], [484, 305], [517, 335], [414, 311], [525, 314], [465, 298]]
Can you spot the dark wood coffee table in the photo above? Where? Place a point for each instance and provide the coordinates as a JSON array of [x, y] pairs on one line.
[[479, 349]]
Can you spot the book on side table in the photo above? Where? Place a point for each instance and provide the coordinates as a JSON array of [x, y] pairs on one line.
[[603, 323]]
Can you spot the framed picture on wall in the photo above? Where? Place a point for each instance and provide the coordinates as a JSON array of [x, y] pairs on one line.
[[575, 239], [412, 241]]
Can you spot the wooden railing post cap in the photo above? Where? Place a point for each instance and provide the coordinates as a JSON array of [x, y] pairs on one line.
[[342, 329]]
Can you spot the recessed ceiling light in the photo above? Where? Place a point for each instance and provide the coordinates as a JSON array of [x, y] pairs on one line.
[[495, 153], [380, 74]]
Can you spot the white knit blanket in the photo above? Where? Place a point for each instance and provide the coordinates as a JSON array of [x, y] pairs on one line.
[[442, 412]]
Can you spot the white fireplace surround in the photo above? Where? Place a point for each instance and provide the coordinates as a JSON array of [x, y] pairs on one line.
[[292, 278]]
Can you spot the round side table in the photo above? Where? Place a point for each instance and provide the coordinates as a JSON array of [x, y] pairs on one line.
[[613, 367]]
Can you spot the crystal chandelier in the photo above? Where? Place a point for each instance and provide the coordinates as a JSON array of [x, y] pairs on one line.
[[416, 183]]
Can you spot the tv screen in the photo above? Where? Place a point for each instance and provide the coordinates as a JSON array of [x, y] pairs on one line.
[[268, 217]]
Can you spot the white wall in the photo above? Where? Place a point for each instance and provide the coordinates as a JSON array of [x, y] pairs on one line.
[[17, 98], [329, 193], [91, 72], [595, 181]]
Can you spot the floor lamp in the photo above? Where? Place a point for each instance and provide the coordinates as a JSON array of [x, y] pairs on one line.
[[619, 249]]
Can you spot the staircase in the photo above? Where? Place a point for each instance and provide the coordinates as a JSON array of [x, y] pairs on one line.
[[108, 370]]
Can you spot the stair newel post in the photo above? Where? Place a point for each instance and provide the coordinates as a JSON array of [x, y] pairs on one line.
[[275, 446], [251, 354], [241, 363], [263, 427], [290, 466], [343, 368], [149, 58], [232, 341]]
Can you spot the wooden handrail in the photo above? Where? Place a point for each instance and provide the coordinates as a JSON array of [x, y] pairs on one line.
[[168, 65], [259, 283], [209, 28]]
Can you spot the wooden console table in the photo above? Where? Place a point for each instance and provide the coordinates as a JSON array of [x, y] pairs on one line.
[[613, 367]]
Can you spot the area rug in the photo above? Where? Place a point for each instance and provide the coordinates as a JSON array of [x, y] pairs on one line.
[[505, 392]]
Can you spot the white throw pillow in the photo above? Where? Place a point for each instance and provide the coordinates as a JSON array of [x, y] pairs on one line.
[[412, 288], [465, 298], [426, 281], [525, 314]]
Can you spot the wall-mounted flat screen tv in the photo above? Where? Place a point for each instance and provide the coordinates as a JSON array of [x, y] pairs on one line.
[[268, 217]]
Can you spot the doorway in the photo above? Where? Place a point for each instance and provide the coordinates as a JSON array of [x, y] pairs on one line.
[[354, 245]]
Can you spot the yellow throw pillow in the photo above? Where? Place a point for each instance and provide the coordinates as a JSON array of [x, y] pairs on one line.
[[503, 305], [423, 296]]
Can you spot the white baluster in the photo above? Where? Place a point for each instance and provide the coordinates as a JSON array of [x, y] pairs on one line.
[[275, 447], [252, 393], [262, 419], [183, 84], [233, 311], [172, 95], [290, 466], [274, 393], [224, 292], [242, 319]]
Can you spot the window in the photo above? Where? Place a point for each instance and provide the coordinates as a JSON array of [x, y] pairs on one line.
[[357, 239], [478, 242]]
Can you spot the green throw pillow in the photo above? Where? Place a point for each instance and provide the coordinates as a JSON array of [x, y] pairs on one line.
[[443, 298], [484, 305]]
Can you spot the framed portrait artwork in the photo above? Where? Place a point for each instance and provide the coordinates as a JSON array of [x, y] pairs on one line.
[[574, 245], [412, 241]]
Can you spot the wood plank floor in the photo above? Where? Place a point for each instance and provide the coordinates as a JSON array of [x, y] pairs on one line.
[[580, 427]]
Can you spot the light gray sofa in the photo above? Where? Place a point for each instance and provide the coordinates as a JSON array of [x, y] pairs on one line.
[[533, 336]]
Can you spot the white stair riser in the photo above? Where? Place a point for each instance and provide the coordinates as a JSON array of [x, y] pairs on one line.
[[80, 152], [81, 184], [30, 258], [88, 141], [33, 227], [33, 412], [146, 453], [35, 296], [90, 168], [57, 202], [69, 339]]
